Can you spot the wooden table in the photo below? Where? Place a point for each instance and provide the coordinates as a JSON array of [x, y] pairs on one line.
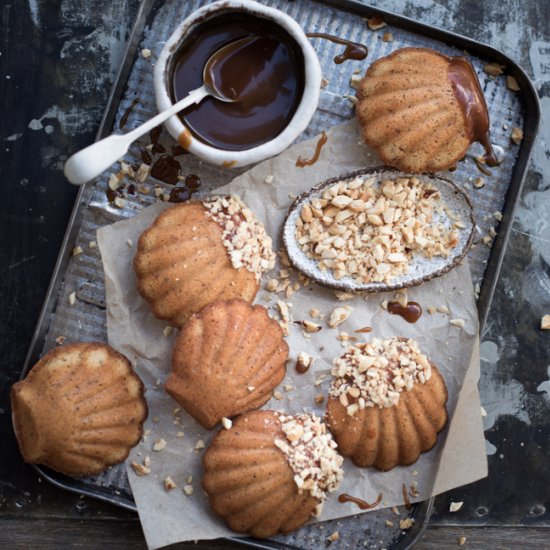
[[57, 62]]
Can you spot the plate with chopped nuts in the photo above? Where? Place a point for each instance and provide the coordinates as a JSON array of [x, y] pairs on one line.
[[378, 230]]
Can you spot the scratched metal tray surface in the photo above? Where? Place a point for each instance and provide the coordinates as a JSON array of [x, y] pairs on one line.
[[132, 102]]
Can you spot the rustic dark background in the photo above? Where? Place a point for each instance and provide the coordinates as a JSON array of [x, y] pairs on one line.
[[58, 59]]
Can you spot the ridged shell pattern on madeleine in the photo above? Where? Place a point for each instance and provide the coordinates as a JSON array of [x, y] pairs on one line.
[[79, 410], [198, 253], [410, 113], [386, 404], [270, 472], [227, 360]]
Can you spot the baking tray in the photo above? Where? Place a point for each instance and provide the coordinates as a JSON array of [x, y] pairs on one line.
[[155, 20]]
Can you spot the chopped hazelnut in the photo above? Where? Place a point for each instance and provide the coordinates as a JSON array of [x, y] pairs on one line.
[[494, 69], [455, 506], [159, 445], [72, 298], [545, 322], [457, 323], [227, 423], [517, 135], [334, 537], [188, 490], [140, 469], [512, 83], [376, 23], [169, 483], [145, 53], [199, 445], [77, 250], [339, 315]]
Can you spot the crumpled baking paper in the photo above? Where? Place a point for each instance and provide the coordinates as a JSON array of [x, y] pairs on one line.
[[268, 189]]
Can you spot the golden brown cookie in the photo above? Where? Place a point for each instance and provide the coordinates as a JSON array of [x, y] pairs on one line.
[[386, 404], [79, 410], [270, 472], [420, 110], [227, 360], [198, 253]]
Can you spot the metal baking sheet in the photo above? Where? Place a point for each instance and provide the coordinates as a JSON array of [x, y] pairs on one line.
[[82, 274]]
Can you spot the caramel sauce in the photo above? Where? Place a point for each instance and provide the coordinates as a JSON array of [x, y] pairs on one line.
[[154, 134], [309, 162], [411, 312], [192, 182], [363, 505], [353, 50], [406, 499], [468, 92], [178, 150], [184, 139], [124, 118], [482, 168], [269, 74], [166, 169], [146, 157]]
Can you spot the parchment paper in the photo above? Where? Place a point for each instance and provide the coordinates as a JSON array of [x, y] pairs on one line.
[[459, 456]]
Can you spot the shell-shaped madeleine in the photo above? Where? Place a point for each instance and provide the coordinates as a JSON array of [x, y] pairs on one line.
[[79, 410], [182, 265], [227, 360], [249, 481], [391, 436], [409, 113]]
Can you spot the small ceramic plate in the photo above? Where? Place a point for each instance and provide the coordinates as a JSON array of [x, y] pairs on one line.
[[421, 269]]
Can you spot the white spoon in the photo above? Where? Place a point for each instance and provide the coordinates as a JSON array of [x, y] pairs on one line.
[[96, 158]]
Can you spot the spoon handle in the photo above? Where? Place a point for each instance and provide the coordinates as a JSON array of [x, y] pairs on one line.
[[88, 163]]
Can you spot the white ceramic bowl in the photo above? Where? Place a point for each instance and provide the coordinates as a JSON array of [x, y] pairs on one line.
[[304, 112]]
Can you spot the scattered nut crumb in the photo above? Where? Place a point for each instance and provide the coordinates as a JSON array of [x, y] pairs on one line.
[[169, 483], [120, 202], [129, 243], [269, 179], [140, 469], [188, 490], [443, 309], [227, 423], [479, 183], [77, 250], [364, 330], [271, 285], [457, 323], [455, 506], [494, 69], [303, 362], [288, 387], [310, 326], [387, 37], [314, 313], [168, 331], [389, 523], [355, 80], [334, 537], [376, 23], [147, 461], [251, 388], [92, 244], [517, 135], [483, 412], [343, 296], [180, 434], [72, 298], [406, 523], [497, 215], [59, 340], [395, 510], [159, 445], [462, 540], [384, 304], [324, 83], [339, 315], [545, 322], [145, 53], [200, 445], [431, 310], [277, 395], [512, 83], [319, 398]]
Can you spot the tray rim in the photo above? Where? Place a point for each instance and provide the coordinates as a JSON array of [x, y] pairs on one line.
[[531, 123]]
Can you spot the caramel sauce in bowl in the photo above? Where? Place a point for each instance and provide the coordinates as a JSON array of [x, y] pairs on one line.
[[244, 132]]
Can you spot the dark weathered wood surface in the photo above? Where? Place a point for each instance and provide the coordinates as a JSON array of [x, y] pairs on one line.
[[57, 63]]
